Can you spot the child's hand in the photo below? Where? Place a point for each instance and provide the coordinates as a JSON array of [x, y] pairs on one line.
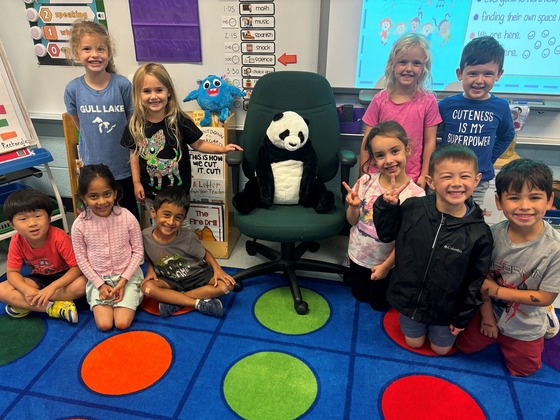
[[391, 196], [139, 192], [421, 181], [148, 278], [352, 197], [118, 291], [379, 272], [220, 274], [454, 330], [42, 296], [489, 288], [30, 294], [489, 328], [105, 292], [231, 147]]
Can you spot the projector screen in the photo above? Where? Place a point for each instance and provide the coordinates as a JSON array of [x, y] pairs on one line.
[[362, 32]]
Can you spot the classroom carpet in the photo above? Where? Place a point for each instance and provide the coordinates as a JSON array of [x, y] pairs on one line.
[[259, 361]]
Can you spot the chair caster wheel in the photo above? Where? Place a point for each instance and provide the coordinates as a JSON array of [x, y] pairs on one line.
[[301, 308], [250, 251], [314, 246], [238, 287]]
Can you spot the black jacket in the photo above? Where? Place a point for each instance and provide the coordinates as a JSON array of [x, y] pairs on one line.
[[441, 261]]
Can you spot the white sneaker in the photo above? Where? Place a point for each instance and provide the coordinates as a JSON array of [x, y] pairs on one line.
[[551, 323]]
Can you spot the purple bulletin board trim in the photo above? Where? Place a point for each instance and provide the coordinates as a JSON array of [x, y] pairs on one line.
[[166, 30]]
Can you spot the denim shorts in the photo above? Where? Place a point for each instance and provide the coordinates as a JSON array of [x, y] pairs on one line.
[[440, 335]]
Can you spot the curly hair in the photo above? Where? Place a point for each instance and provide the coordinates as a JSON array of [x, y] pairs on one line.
[[81, 28]]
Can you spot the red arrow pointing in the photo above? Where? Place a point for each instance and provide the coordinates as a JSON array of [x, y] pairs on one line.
[[288, 59]]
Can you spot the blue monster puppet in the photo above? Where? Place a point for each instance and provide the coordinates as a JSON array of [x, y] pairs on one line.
[[214, 94]]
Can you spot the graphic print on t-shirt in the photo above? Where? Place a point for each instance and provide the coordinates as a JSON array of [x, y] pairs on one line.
[[156, 167], [172, 266]]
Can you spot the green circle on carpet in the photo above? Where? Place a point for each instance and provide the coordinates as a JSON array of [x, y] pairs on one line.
[[19, 336], [270, 385], [275, 310]]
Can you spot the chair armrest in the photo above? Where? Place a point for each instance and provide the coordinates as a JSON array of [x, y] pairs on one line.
[[347, 161], [234, 159], [347, 158]]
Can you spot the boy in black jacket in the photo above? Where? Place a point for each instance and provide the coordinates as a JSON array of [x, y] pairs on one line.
[[443, 249]]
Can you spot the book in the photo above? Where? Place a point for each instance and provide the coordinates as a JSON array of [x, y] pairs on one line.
[[207, 221]]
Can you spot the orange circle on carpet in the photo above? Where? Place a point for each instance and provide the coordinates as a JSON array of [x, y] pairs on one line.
[[393, 329], [126, 363], [152, 307], [428, 397]]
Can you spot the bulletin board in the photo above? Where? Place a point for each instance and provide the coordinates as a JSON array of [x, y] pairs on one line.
[[295, 26]]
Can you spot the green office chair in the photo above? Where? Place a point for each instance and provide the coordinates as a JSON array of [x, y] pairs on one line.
[[311, 96]]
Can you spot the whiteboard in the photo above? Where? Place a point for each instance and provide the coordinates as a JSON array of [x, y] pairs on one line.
[[42, 87], [527, 30]]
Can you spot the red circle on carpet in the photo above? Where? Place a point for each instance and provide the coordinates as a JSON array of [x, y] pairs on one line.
[[393, 329], [428, 397], [152, 307], [126, 363]]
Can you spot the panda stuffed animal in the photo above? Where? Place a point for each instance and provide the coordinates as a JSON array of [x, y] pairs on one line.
[[286, 169]]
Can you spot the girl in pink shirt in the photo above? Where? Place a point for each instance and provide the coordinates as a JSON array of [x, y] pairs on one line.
[[107, 241], [406, 101]]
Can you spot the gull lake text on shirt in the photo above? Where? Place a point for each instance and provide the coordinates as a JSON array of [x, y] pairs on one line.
[[101, 108]]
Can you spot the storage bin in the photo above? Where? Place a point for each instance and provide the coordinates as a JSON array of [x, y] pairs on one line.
[[354, 127]]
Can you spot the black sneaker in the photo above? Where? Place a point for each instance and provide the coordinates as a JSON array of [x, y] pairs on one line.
[[212, 307], [167, 309]]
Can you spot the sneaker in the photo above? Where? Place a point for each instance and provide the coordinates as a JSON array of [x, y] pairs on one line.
[[16, 312], [167, 309], [64, 309], [551, 323], [212, 307]]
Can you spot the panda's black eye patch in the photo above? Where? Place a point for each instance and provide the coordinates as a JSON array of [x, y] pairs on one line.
[[300, 135], [284, 134]]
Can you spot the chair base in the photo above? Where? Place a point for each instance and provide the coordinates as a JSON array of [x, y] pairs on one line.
[[288, 261]]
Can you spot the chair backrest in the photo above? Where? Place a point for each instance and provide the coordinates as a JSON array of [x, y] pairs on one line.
[[308, 94]]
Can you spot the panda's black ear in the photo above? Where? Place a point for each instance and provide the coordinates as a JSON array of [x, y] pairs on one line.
[[306, 121], [278, 116]]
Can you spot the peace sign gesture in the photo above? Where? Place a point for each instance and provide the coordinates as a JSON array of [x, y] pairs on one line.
[[391, 196], [352, 197]]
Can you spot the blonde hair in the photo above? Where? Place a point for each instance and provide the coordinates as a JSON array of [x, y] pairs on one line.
[[138, 120], [403, 44], [81, 28]]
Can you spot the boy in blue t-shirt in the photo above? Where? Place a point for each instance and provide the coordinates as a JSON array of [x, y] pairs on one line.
[[476, 118]]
